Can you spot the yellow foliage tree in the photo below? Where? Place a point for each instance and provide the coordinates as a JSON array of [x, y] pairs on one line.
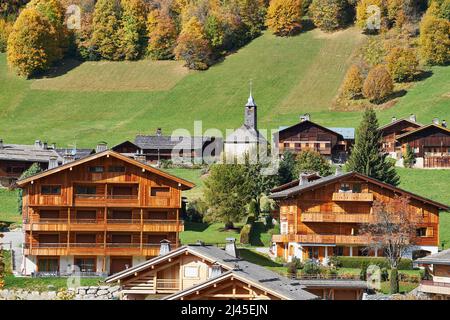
[[378, 84], [353, 83], [162, 35], [5, 30], [434, 40], [402, 63], [133, 29], [370, 15], [284, 17], [30, 43]]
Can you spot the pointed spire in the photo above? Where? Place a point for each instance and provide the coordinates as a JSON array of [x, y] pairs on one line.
[[251, 101]]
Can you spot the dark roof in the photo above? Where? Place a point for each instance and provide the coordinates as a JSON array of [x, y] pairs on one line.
[[442, 257], [293, 183], [29, 153], [333, 283], [75, 153], [336, 177], [446, 130], [393, 123], [169, 142], [314, 124], [127, 142], [347, 133], [268, 279]]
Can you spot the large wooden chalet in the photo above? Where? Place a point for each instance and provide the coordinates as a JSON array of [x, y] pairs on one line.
[[322, 217], [205, 272], [102, 213], [438, 285], [307, 135]]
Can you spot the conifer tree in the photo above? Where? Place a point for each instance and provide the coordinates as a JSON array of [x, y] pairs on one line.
[[408, 157], [284, 17], [133, 29], [106, 26], [366, 156]]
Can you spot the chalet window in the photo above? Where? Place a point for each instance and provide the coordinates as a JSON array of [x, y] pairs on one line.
[[86, 190], [356, 188], [48, 265], [338, 251], [284, 227], [313, 253], [116, 169], [96, 169], [159, 191], [286, 144], [51, 190], [85, 238], [344, 187], [191, 272], [85, 264], [421, 232]]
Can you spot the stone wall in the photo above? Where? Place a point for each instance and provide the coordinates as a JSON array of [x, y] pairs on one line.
[[80, 293]]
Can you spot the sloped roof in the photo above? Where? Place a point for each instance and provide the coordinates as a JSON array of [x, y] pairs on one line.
[[446, 130], [76, 153], [301, 123], [245, 134], [442, 257], [184, 183], [271, 281], [30, 153], [393, 123], [347, 133], [169, 142], [286, 193]]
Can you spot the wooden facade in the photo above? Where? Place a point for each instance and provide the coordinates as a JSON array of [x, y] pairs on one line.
[[430, 144], [106, 210], [308, 135], [391, 131], [437, 286], [326, 219]]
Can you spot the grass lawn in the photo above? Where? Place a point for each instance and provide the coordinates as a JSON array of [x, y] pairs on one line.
[[8, 207], [192, 175], [208, 233], [41, 284]]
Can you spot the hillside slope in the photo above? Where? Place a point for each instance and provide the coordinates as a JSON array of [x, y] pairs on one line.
[[290, 75]]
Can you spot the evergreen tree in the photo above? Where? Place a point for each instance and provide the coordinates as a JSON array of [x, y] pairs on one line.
[[106, 26], [284, 17], [408, 157], [31, 171], [132, 35], [366, 156], [286, 171]]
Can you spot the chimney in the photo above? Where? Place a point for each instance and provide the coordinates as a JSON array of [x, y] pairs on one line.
[[305, 117], [394, 119], [216, 270], [1, 143], [44, 146], [53, 146], [338, 170], [37, 144], [230, 247], [303, 179], [52, 162], [412, 117], [101, 146], [444, 124], [67, 157], [200, 243], [436, 121], [159, 132], [164, 247]]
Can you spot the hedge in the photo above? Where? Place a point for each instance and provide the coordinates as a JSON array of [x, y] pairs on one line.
[[356, 262], [245, 233]]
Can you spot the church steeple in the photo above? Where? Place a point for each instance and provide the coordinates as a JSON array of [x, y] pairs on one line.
[[250, 111]]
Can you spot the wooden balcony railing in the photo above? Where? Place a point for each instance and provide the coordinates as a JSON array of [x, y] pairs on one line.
[[336, 217], [430, 286], [147, 284], [102, 199], [321, 239], [350, 196]]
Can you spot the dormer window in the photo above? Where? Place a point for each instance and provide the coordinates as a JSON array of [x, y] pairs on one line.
[[356, 188], [96, 169], [51, 190], [345, 187]]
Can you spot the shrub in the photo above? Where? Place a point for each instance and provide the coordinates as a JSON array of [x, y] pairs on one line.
[[408, 157], [384, 274], [329, 15], [291, 269], [195, 211], [192, 46], [5, 30], [353, 83], [378, 84], [393, 279], [402, 63], [335, 262], [355, 262], [311, 268], [284, 17], [245, 234], [312, 161], [363, 273]]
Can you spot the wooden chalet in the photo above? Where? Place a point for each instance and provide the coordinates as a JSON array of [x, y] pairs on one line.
[[438, 285], [392, 130], [430, 144], [204, 272], [322, 217], [307, 135], [156, 148], [17, 158], [102, 213]]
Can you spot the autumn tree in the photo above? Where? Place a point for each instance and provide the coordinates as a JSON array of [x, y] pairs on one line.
[[329, 15], [370, 15], [30, 44], [192, 46], [5, 29], [10, 8], [162, 35], [106, 26], [312, 161], [284, 17], [133, 31], [252, 14], [378, 84], [402, 63], [434, 39], [367, 156], [393, 230], [353, 83]]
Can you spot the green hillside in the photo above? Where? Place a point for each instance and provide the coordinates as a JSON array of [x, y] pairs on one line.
[[290, 75]]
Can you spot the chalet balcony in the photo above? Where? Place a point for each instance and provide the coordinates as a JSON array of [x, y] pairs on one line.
[[351, 196], [430, 286], [322, 239], [92, 200], [336, 217], [116, 249], [149, 284], [146, 225]]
